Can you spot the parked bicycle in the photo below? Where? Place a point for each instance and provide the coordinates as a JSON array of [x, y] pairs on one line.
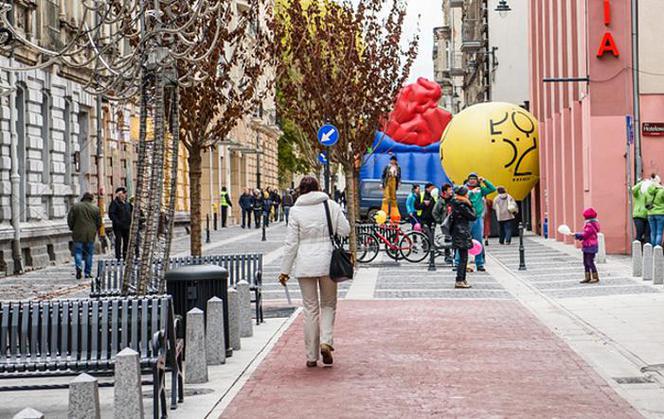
[[413, 246]]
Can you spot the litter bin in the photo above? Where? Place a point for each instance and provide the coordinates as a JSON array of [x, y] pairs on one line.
[[192, 286]]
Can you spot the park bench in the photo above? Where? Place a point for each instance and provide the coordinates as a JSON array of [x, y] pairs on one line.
[[248, 267], [71, 336]]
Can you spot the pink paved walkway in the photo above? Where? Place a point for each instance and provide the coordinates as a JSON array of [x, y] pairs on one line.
[[410, 359]]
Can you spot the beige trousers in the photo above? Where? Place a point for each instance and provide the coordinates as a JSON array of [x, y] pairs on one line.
[[318, 315]]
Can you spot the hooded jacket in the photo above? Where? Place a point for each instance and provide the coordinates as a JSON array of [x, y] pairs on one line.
[[655, 199], [308, 249], [476, 196], [501, 206], [462, 215], [588, 236]]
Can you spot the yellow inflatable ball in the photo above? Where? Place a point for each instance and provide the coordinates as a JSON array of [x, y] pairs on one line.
[[498, 141], [380, 217]]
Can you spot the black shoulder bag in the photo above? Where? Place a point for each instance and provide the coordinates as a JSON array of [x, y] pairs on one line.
[[341, 263]]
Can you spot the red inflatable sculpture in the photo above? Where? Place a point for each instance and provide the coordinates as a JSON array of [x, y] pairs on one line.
[[417, 119]]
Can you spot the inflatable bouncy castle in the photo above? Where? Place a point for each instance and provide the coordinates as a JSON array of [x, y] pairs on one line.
[[412, 134]]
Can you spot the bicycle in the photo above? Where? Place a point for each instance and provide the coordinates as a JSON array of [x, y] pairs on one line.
[[412, 246]]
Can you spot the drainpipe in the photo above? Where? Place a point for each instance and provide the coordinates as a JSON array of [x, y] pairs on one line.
[[101, 173], [14, 176], [636, 90]]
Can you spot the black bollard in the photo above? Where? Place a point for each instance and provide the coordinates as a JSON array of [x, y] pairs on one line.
[[214, 221], [522, 249], [432, 251], [264, 223], [207, 228]]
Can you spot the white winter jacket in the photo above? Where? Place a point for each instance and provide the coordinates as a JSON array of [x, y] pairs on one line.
[[308, 248]]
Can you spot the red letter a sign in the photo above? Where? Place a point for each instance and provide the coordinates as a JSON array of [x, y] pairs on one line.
[[608, 45]]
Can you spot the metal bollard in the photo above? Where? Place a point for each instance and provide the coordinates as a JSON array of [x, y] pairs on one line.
[[432, 250], [214, 221], [522, 249], [207, 228], [264, 223]]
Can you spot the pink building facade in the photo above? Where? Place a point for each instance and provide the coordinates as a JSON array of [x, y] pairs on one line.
[[585, 157]]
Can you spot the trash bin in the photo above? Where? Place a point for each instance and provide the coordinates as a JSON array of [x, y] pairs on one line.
[[192, 286]]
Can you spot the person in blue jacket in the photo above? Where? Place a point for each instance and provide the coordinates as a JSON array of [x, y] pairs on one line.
[[411, 205]]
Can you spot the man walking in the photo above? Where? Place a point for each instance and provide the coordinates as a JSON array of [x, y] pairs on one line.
[[247, 207], [84, 221], [259, 202], [287, 203], [225, 205], [391, 179], [120, 214]]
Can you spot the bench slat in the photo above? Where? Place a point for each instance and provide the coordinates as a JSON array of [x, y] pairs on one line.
[[4, 331], [145, 339], [34, 329], [114, 327], [104, 317], [85, 329], [45, 320], [75, 329], [64, 343], [134, 321]]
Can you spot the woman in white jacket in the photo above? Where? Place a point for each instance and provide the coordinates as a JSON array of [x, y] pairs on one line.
[[307, 255]]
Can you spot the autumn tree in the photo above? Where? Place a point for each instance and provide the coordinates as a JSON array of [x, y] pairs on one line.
[[234, 84], [344, 64]]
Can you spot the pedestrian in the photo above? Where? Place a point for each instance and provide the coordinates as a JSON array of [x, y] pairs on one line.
[[390, 182], [441, 210], [413, 200], [426, 206], [590, 245], [478, 188], [488, 213], [463, 214], [226, 204], [259, 202], [640, 212], [267, 206], [307, 255], [276, 203], [119, 211], [655, 207], [84, 221], [287, 203], [247, 206], [506, 209]]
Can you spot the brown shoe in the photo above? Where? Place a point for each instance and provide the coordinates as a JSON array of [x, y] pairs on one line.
[[587, 280], [462, 285], [594, 278], [326, 353], [312, 364]]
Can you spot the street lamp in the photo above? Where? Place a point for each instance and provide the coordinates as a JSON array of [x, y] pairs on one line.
[[503, 8]]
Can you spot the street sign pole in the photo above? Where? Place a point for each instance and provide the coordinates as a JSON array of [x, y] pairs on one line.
[[327, 172], [328, 136]]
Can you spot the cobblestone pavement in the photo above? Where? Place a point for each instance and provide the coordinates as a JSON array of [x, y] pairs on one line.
[[59, 281], [412, 359], [557, 273]]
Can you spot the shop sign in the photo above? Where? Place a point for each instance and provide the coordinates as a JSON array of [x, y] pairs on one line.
[[653, 129], [608, 43]]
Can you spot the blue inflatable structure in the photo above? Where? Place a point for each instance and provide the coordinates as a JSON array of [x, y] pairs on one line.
[[417, 163]]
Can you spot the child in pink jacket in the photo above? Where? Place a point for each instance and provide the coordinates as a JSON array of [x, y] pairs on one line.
[[590, 245]]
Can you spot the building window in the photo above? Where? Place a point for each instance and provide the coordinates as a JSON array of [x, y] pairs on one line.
[[46, 136], [21, 108], [68, 149]]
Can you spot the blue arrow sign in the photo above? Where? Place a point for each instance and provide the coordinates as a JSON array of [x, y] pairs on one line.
[[328, 135], [322, 157]]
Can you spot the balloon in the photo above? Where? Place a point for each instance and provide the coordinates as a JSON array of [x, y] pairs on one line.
[[499, 141], [417, 119], [380, 217], [417, 227], [564, 229], [476, 249]]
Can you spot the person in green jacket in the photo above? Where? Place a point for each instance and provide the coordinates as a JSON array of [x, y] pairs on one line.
[[655, 207], [84, 221], [639, 211], [478, 189]]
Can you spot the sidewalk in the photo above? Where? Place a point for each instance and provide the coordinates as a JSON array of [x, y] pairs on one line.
[[398, 359]]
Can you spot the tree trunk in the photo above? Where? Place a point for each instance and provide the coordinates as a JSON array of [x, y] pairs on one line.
[[195, 172], [352, 206]]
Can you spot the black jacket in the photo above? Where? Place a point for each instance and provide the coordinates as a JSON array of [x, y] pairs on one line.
[[120, 214], [259, 203], [427, 209], [462, 215], [247, 201], [386, 170]]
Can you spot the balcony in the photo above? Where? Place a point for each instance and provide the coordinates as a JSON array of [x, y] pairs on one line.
[[456, 3], [456, 64]]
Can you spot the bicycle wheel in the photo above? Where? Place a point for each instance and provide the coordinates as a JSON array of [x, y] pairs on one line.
[[367, 248], [415, 246]]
